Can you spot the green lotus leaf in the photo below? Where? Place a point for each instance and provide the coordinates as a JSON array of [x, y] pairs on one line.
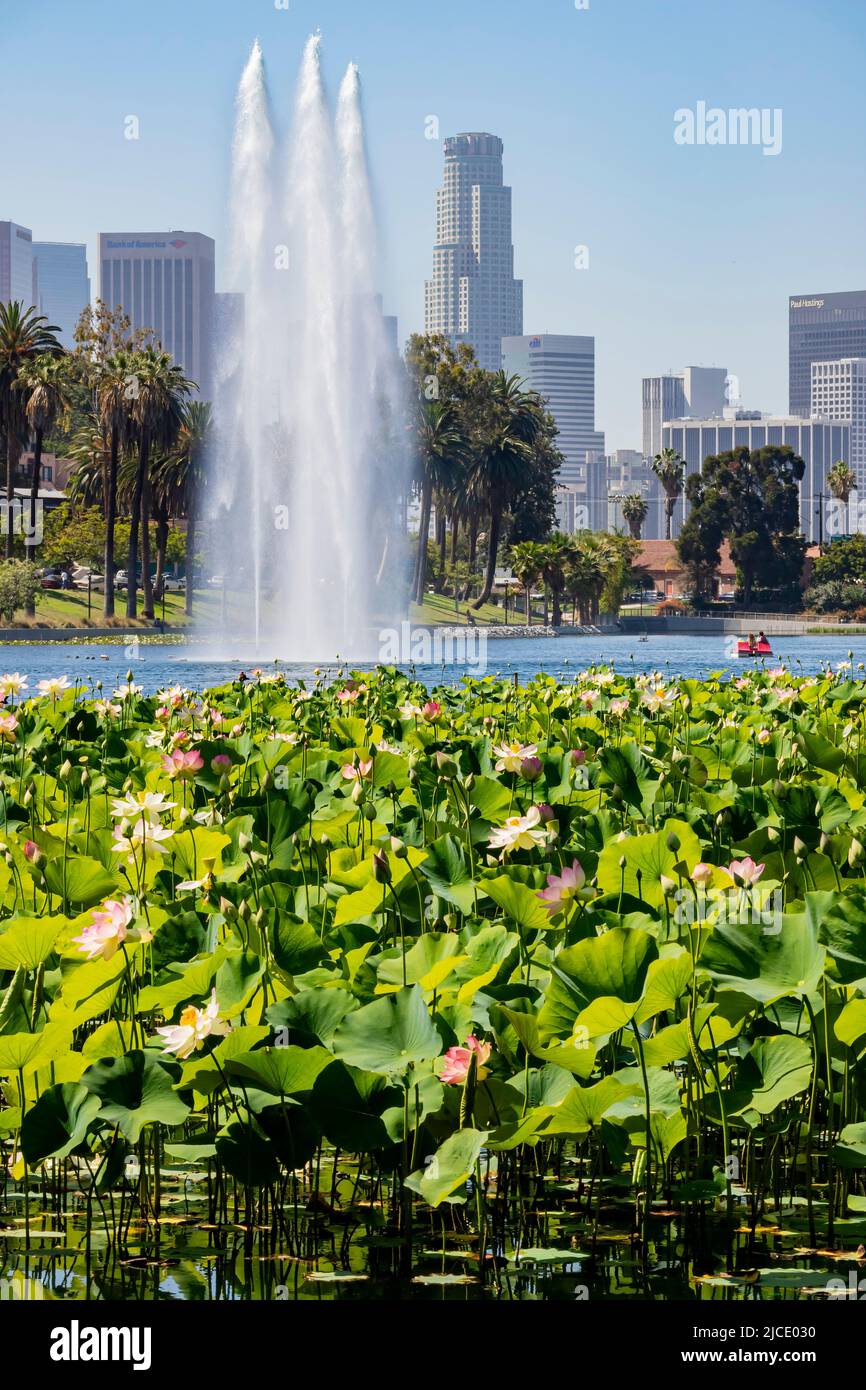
[[389, 1034], [58, 1122], [29, 941], [611, 968], [284, 1071], [648, 859], [765, 965], [449, 1169], [80, 880], [136, 1090]]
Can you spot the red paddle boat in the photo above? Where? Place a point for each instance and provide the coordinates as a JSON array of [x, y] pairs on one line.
[[754, 647]]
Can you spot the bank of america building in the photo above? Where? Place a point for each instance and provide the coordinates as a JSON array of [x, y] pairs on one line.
[[819, 443], [164, 281]]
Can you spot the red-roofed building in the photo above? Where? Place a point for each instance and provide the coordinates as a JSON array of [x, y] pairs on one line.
[[660, 561]]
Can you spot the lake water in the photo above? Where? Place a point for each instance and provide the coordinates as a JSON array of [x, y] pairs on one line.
[[156, 665]]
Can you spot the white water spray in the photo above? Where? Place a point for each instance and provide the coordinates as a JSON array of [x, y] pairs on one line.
[[308, 474]]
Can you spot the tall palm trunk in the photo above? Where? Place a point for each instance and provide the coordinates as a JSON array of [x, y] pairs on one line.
[[492, 548], [527, 598], [13, 454], [423, 536], [161, 514], [134, 520], [455, 532], [146, 578], [110, 523], [441, 542], [30, 608], [557, 608], [190, 553]]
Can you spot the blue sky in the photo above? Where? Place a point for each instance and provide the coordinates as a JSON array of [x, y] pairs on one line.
[[693, 251]]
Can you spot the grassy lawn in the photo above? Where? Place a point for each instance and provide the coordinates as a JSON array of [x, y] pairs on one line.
[[439, 608], [68, 608]]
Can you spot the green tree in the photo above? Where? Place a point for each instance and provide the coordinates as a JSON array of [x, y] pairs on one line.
[[634, 510], [439, 450], [753, 499], [159, 394], [24, 336], [497, 468], [527, 562], [670, 470], [179, 479]]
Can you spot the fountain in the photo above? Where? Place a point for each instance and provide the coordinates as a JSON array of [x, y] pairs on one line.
[[309, 465]]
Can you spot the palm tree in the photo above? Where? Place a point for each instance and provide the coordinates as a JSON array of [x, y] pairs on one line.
[[45, 384], [556, 556], [178, 481], [24, 335], [527, 564], [669, 469], [500, 465], [115, 386], [841, 480], [440, 451], [159, 395], [634, 510]]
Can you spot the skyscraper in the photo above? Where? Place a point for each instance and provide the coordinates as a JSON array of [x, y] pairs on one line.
[[821, 328], [839, 393], [704, 390], [17, 267], [819, 443], [164, 281], [561, 368], [473, 296], [662, 398], [63, 285]]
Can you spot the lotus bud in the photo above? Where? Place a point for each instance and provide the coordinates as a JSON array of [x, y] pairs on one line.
[[673, 843], [669, 886], [33, 853], [228, 909], [244, 911], [398, 848], [773, 834], [267, 782], [123, 828], [244, 841], [368, 811], [546, 812], [855, 853], [325, 841], [85, 777], [65, 771], [185, 816], [469, 781], [530, 769], [381, 867], [622, 861], [801, 851], [28, 797]]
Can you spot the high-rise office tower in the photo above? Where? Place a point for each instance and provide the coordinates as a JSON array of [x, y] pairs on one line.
[[63, 285], [821, 328], [839, 393], [561, 368], [662, 398], [17, 267], [819, 443], [704, 390], [164, 281], [473, 296]]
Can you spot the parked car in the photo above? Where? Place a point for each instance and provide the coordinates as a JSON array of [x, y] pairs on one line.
[[51, 579], [84, 576], [172, 585], [216, 581]]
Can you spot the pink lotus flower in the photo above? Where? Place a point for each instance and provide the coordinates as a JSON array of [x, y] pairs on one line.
[[347, 696], [457, 1061], [563, 888], [220, 763], [183, 764], [355, 772], [618, 708], [745, 871], [8, 725], [31, 851], [109, 929], [431, 711], [702, 873], [578, 756], [530, 769]]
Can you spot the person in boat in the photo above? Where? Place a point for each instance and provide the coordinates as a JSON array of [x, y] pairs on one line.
[[752, 642], [762, 641]]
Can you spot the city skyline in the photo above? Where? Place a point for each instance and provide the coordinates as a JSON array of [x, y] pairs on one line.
[[667, 273]]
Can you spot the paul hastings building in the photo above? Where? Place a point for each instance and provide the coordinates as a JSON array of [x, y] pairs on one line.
[[164, 281], [821, 328]]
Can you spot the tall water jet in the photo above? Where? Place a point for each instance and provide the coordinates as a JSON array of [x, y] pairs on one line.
[[308, 395]]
